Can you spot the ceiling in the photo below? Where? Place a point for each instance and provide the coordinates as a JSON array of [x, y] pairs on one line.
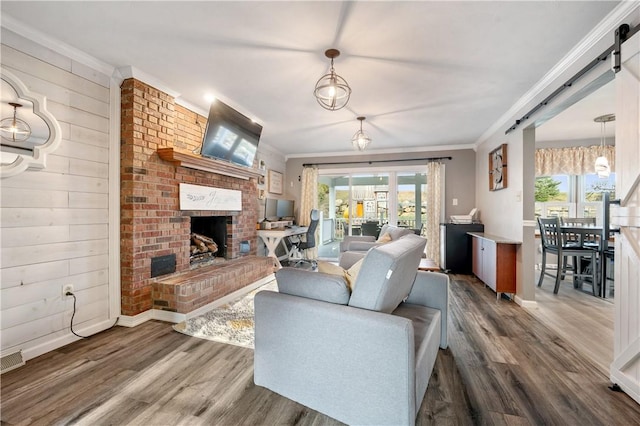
[[425, 74]]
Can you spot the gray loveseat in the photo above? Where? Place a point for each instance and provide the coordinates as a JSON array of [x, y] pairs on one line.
[[365, 242], [361, 357]]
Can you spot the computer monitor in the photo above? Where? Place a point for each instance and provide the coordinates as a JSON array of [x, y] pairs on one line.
[[271, 209], [285, 209]]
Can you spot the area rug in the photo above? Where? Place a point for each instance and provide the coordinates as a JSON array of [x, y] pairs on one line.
[[231, 323]]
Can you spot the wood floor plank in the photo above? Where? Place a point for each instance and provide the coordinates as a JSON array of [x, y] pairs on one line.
[[505, 365]]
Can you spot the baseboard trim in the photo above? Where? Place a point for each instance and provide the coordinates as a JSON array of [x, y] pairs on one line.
[[174, 317], [626, 384], [529, 304], [61, 341]]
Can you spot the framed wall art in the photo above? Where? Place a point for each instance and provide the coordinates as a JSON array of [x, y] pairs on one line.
[[275, 182], [498, 168]]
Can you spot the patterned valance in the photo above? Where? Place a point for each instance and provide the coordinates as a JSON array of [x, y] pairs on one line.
[[579, 160]]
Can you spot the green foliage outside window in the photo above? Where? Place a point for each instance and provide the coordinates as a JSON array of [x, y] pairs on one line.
[[547, 189]]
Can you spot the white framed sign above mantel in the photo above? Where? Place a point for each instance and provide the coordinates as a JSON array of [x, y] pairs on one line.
[[197, 197]]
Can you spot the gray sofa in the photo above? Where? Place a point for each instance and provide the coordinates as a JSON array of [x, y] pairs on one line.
[[365, 242], [361, 357]]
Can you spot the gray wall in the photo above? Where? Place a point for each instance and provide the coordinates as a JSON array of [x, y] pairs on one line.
[[460, 173]]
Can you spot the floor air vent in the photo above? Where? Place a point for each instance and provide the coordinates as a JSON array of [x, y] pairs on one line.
[[11, 361]]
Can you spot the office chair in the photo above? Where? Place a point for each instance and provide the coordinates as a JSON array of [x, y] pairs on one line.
[[309, 241]]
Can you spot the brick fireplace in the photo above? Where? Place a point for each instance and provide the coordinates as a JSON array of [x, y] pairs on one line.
[[152, 225]]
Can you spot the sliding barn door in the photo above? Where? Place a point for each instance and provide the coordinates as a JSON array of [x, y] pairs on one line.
[[625, 369]]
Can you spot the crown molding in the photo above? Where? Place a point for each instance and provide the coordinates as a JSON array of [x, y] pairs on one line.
[[605, 28], [383, 151], [192, 107], [129, 71], [20, 28]]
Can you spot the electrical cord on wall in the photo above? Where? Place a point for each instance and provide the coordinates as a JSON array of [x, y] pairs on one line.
[[74, 314]]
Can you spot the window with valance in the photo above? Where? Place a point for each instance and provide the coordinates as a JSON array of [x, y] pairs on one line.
[[577, 160], [566, 183]]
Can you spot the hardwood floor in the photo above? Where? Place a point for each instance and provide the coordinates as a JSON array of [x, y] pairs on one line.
[[504, 366], [583, 320]]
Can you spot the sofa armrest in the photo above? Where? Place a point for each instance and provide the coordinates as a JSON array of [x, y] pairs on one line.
[[345, 243], [352, 364], [431, 289]]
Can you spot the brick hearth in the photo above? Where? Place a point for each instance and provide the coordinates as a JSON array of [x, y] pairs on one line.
[[151, 223], [187, 291]]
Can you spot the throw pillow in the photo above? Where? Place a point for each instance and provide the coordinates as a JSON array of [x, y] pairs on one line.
[[349, 275], [329, 268], [384, 238], [352, 273]]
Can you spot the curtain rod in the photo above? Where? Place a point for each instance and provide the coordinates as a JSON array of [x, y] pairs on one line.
[[376, 161], [621, 35]]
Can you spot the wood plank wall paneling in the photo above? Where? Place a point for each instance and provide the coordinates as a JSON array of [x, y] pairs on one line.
[[55, 221]]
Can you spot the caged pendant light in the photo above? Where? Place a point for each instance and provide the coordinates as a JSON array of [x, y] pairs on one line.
[[602, 164], [332, 91], [360, 140], [13, 128]]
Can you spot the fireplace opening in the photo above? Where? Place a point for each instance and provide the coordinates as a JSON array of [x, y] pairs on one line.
[[208, 238]]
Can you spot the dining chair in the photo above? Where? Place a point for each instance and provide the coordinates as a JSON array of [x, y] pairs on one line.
[[582, 222], [608, 263], [554, 242]]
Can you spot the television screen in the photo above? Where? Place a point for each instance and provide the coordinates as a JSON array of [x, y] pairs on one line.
[[230, 136]]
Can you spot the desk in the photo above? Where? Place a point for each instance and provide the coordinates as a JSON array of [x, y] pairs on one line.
[[274, 237], [603, 245]]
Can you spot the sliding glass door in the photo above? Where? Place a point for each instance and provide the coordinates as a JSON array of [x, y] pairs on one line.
[[412, 196], [361, 203]]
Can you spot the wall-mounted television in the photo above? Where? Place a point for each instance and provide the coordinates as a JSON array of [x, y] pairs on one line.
[[230, 135]]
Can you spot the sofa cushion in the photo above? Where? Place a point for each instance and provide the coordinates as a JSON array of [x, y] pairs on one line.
[[313, 285], [387, 274]]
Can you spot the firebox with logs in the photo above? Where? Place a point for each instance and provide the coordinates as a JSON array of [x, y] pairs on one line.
[[202, 247], [208, 238]]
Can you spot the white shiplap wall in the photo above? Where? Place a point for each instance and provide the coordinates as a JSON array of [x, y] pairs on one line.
[[55, 222]]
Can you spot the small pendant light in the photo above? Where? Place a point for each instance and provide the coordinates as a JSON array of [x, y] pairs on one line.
[[602, 164], [360, 140], [13, 128]]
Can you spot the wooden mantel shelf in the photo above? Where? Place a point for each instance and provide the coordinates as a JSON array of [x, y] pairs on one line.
[[191, 161]]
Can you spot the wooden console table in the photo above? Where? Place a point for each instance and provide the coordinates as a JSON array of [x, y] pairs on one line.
[[494, 261]]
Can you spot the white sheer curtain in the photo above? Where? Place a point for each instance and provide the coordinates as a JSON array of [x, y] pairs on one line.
[[308, 202], [577, 160], [435, 180]]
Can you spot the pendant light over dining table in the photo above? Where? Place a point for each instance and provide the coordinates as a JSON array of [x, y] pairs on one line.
[[332, 91], [602, 164]]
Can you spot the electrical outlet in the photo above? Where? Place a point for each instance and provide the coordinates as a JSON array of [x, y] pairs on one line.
[[67, 288]]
